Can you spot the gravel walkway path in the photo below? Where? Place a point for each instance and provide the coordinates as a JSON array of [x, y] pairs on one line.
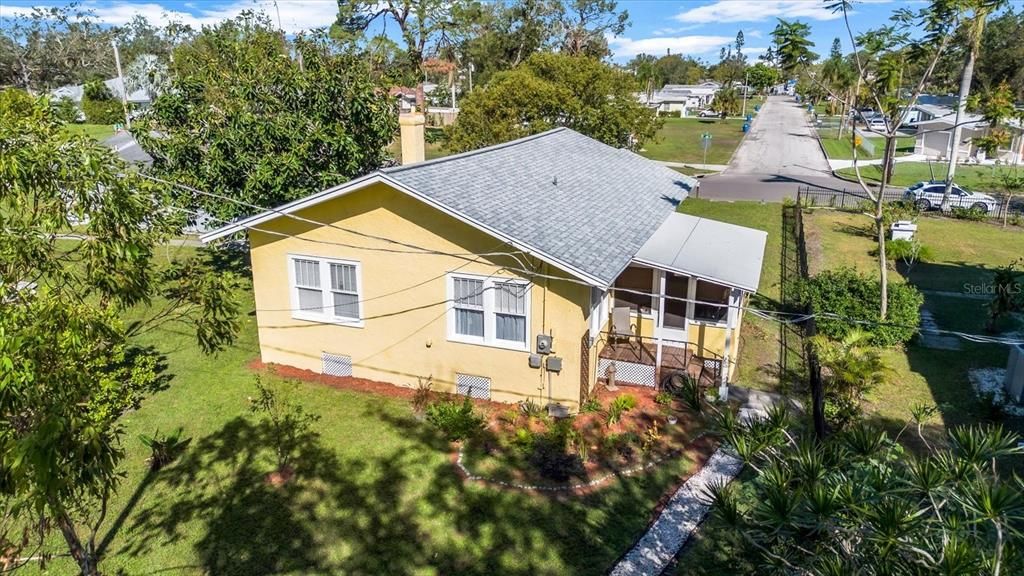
[[678, 520]]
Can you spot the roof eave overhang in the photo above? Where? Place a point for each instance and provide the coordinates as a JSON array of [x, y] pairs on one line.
[[691, 273]]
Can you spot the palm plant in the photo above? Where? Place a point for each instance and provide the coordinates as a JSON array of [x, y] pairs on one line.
[[850, 368], [856, 504]]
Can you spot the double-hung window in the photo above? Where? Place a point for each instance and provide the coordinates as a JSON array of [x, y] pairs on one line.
[[325, 290], [489, 311]]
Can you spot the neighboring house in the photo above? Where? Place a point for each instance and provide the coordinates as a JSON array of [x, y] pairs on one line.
[[139, 99], [683, 98], [495, 273], [934, 125]]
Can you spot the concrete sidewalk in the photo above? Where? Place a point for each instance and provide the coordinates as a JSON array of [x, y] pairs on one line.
[[840, 164], [698, 165]]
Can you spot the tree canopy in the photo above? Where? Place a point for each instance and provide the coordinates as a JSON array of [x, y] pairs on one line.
[[551, 90], [246, 120], [68, 370]]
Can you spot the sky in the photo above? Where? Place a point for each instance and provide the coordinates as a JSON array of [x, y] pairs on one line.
[[697, 28]]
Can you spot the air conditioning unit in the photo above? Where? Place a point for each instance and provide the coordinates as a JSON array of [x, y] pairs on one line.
[[1015, 374]]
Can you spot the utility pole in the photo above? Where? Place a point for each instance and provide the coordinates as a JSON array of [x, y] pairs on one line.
[[471, 69], [746, 82], [124, 87]]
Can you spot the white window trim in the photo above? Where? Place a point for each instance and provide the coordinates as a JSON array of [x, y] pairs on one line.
[[490, 328], [326, 316]]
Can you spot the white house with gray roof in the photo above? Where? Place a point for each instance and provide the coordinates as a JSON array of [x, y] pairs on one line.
[[535, 269]]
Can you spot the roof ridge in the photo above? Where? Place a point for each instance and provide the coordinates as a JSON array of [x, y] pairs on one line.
[[470, 153]]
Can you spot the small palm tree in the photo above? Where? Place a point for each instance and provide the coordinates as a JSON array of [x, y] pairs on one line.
[[850, 368], [857, 504]]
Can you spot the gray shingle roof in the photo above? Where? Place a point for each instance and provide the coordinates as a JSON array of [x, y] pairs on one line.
[[572, 198]]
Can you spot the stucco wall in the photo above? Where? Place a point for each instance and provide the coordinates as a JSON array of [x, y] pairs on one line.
[[404, 336]]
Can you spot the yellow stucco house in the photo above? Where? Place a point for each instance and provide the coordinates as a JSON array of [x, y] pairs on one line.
[[528, 270]]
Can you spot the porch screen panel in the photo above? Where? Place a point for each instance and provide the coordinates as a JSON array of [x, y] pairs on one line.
[[712, 294], [635, 280]]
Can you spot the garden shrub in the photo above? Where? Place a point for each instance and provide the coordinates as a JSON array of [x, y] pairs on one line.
[[549, 454], [908, 251], [457, 421], [99, 104], [289, 423], [974, 214], [591, 405], [852, 295], [65, 109], [621, 404], [671, 114]]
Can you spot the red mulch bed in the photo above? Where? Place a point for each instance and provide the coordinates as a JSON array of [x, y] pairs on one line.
[[640, 418], [357, 384]]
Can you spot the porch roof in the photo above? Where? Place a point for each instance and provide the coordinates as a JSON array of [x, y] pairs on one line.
[[708, 249]]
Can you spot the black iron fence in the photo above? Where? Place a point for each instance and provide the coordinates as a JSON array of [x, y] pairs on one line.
[[813, 196]]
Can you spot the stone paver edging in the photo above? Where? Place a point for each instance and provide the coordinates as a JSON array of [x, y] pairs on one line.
[[678, 520]]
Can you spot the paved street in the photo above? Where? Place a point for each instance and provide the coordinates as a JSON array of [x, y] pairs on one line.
[[779, 154]]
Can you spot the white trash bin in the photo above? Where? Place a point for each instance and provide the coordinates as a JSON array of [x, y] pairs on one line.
[[903, 230]]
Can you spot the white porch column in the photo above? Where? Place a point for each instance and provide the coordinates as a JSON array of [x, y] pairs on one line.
[[659, 320], [735, 297]]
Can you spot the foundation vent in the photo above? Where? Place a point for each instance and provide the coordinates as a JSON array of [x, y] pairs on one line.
[[478, 387], [336, 364]]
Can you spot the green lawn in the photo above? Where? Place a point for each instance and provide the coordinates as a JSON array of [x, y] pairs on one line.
[[376, 493], [691, 171], [679, 140], [96, 131], [965, 255], [907, 173], [842, 149], [760, 340]]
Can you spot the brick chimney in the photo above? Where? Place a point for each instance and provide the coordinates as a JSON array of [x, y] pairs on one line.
[[411, 131]]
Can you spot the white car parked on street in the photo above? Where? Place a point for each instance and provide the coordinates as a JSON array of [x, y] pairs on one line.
[[928, 196], [708, 114]]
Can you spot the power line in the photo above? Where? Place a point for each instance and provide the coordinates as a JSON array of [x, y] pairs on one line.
[[788, 318]]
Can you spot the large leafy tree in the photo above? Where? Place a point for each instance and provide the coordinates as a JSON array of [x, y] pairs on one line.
[[551, 90], [586, 24], [247, 120], [53, 46], [424, 25], [500, 35], [762, 77], [857, 503], [1001, 57], [68, 371]]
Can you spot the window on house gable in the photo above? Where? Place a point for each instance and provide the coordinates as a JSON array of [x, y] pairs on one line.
[[325, 290], [489, 311]]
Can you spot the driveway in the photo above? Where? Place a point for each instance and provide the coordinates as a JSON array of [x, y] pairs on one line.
[[779, 154]]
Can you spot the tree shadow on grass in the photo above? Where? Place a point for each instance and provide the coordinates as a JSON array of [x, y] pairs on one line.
[[404, 512], [253, 528]]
